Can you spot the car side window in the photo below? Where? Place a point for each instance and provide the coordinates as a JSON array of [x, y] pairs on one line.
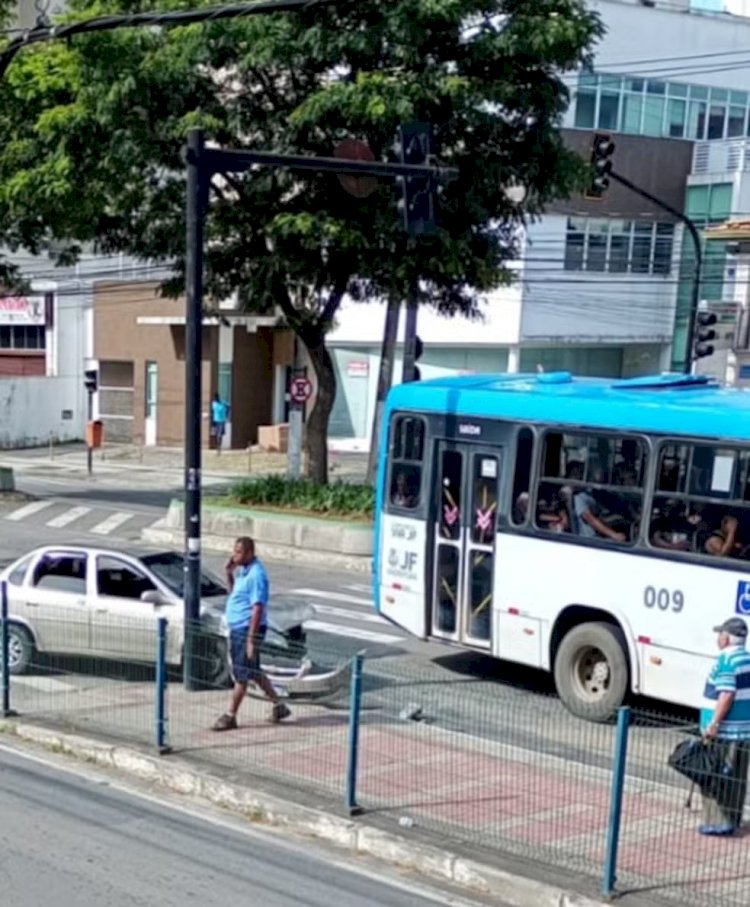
[[17, 576], [119, 579], [61, 573]]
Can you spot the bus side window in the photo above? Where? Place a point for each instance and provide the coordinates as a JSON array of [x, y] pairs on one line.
[[407, 453], [522, 477]]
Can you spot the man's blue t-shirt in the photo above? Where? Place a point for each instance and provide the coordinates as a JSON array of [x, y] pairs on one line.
[[250, 588], [219, 411]]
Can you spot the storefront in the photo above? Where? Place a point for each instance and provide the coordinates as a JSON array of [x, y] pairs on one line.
[[23, 324]]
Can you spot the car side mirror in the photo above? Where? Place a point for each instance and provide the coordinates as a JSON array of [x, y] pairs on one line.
[[152, 597]]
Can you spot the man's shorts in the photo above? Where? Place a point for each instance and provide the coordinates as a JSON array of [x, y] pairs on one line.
[[244, 669], [217, 430]]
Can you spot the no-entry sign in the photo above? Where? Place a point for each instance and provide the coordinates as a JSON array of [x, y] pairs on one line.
[[300, 390]]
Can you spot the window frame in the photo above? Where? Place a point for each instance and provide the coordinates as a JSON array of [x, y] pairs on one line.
[[393, 462], [116, 558], [644, 488]]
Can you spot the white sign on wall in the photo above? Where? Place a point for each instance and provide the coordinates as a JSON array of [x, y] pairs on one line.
[[20, 310]]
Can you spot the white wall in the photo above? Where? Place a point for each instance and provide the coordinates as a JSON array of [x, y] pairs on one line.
[[31, 410], [562, 306], [362, 323]]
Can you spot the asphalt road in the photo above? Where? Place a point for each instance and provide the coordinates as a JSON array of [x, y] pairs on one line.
[[77, 841]]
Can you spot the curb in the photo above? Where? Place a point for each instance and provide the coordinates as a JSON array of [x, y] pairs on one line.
[[159, 534], [263, 808]]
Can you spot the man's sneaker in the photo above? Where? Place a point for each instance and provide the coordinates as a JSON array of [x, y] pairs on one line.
[[225, 722], [279, 712], [716, 831]]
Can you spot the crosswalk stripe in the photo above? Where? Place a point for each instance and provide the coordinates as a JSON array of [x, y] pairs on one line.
[[43, 684], [28, 510], [331, 611], [114, 521], [334, 597], [359, 587], [353, 632], [68, 516]]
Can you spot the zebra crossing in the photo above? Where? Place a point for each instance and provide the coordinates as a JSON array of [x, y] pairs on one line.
[[347, 611], [101, 521]]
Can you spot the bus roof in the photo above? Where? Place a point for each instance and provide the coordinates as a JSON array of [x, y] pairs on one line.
[[669, 403]]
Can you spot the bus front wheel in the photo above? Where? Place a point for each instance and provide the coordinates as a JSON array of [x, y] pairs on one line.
[[591, 671]]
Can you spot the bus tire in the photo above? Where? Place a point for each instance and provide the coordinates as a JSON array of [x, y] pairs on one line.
[[591, 671]]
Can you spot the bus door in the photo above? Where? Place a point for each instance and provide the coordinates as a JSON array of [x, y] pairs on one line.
[[466, 499]]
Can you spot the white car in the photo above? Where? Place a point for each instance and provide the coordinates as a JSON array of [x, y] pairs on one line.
[[79, 600]]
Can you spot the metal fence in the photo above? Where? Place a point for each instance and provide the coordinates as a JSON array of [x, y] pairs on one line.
[[478, 763]]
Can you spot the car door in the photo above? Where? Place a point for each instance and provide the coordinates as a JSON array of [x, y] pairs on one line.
[[122, 625], [54, 601]]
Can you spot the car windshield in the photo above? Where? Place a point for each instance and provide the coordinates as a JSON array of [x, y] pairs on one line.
[[170, 569]]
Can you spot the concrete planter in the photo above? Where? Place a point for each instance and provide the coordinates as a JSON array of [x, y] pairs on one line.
[[288, 536]]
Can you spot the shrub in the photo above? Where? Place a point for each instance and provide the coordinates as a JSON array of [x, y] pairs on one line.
[[338, 499]]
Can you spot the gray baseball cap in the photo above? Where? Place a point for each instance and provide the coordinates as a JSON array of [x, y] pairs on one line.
[[734, 626]]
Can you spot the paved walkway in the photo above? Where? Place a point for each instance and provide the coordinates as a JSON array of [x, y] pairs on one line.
[[517, 800]]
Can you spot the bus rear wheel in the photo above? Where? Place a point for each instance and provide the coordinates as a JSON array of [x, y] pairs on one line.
[[591, 671]]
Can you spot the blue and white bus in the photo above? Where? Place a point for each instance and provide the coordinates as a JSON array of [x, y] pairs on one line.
[[594, 528]]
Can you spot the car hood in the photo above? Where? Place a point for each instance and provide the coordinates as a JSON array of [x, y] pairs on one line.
[[284, 612]]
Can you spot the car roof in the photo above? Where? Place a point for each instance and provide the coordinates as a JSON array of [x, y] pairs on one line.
[[88, 548]]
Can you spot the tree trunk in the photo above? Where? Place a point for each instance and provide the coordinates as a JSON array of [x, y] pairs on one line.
[[385, 379], [316, 436]]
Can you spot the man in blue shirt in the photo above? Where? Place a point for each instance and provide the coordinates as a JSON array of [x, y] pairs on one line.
[[725, 719], [219, 416], [247, 615]]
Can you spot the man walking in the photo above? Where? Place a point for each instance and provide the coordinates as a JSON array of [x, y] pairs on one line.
[[725, 719], [247, 614], [219, 416]]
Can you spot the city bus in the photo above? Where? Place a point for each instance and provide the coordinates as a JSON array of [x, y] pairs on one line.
[[594, 528]]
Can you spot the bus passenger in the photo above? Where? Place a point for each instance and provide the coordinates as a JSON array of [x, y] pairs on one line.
[[672, 529], [402, 496], [725, 542], [587, 520]]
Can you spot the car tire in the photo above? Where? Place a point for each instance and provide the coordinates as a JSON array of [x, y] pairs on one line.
[[20, 649], [591, 671], [217, 672]]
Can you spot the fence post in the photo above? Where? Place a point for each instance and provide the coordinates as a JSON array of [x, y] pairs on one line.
[[5, 650], [161, 687], [355, 704], [615, 801]]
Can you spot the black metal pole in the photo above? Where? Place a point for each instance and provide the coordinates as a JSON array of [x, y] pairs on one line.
[[197, 183], [695, 295], [89, 439], [410, 336]]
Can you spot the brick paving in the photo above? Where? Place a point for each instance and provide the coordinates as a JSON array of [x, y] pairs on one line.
[[520, 801]]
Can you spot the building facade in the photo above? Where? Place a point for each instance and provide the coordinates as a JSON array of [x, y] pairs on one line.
[[604, 287]]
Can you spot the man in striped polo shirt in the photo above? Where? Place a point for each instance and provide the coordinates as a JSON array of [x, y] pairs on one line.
[[725, 719]]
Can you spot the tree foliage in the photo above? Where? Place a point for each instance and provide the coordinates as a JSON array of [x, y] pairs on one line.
[[92, 135]]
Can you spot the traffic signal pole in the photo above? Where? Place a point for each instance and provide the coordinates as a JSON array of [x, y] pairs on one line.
[[695, 293]]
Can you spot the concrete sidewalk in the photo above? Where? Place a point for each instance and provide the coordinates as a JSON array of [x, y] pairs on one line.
[[440, 802]]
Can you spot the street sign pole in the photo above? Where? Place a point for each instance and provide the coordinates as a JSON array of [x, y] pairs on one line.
[[294, 456]]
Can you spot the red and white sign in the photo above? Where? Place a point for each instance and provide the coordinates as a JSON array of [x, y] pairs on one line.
[[300, 390], [358, 368], [20, 310]]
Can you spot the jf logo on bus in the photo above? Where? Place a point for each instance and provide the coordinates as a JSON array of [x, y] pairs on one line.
[[742, 605]]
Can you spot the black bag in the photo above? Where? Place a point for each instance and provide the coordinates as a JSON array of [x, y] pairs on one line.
[[700, 763]]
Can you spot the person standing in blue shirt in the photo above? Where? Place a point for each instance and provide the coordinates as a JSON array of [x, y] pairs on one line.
[[725, 719], [219, 416], [247, 617]]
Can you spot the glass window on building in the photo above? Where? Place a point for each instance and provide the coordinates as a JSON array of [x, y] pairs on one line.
[[618, 246], [655, 108], [676, 118], [642, 246], [596, 251], [574, 244]]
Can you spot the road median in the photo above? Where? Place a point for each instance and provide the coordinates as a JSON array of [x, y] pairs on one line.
[[338, 544]]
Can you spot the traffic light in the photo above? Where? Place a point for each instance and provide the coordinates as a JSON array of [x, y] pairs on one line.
[[704, 334], [418, 350], [602, 150], [91, 380], [417, 203]]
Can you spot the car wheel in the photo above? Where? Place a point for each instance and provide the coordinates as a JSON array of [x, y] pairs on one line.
[[216, 669], [20, 649]]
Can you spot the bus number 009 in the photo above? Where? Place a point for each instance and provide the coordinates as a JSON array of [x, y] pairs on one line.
[[663, 599]]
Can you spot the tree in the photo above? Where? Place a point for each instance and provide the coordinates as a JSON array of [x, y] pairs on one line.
[[92, 133]]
